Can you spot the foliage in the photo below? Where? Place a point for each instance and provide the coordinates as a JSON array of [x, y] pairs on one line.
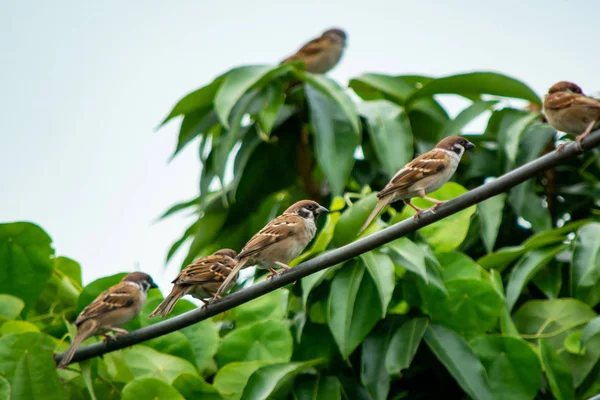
[[498, 301]]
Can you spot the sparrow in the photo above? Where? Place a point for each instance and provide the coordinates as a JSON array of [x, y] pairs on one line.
[[201, 279], [569, 110], [425, 174], [114, 307], [280, 241], [323, 53]]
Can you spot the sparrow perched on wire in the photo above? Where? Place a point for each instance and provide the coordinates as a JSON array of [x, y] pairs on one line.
[[280, 241], [201, 279], [425, 174], [114, 307], [569, 110], [323, 53]]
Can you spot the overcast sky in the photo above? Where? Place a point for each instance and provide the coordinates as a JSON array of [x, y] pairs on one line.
[[84, 84]]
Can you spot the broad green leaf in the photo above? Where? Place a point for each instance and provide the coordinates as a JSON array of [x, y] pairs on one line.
[[145, 362], [15, 346], [25, 260], [553, 319], [332, 90], [457, 265], [379, 86], [237, 82], [373, 373], [580, 360], [507, 326], [457, 356], [204, 338], [427, 120], [455, 126], [591, 329], [317, 341], [573, 343], [474, 84], [449, 233], [390, 133], [472, 306], [272, 105], [94, 288], [352, 220], [526, 269], [557, 372], [175, 344], [70, 268], [490, 213], [4, 389], [381, 269], [509, 136], [195, 123], [263, 341], [10, 306], [17, 327], [585, 266], [549, 280], [336, 139], [319, 387], [232, 378], [198, 99], [150, 388], [272, 305], [529, 206], [208, 228], [502, 258], [249, 144], [354, 306], [512, 366], [275, 380], [191, 386], [534, 142], [404, 345]]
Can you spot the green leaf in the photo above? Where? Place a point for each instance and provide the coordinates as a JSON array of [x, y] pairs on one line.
[[510, 133], [263, 341], [352, 220], [272, 105], [25, 261], [175, 344], [94, 288], [458, 358], [237, 82], [390, 133], [511, 364], [150, 388], [204, 338], [350, 320], [378, 86], [317, 387], [591, 329], [332, 90], [474, 84], [581, 360], [502, 258], [4, 389], [381, 269], [233, 377], [585, 266], [573, 343], [17, 327], [13, 348], [404, 345], [145, 362], [272, 305], [36, 378], [457, 265], [526, 269], [336, 139], [373, 373], [490, 214], [553, 319], [191, 386], [10, 306], [198, 99], [195, 123], [557, 372], [455, 126], [472, 306], [549, 280], [449, 233], [70, 268], [275, 380], [529, 206]]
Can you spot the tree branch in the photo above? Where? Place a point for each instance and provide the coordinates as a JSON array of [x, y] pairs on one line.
[[336, 256]]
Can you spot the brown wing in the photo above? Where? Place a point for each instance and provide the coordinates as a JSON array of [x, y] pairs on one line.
[[115, 297], [430, 163], [280, 228], [561, 100], [206, 269], [313, 47]]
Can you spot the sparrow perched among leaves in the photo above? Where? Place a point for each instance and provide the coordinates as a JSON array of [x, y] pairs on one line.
[[425, 174], [114, 307], [323, 53], [280, 241], [569, 110], [201, 279]]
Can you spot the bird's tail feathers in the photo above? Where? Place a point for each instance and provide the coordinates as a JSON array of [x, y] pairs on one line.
[[380, 205], [234, 272], [82, 334], [167, 304]]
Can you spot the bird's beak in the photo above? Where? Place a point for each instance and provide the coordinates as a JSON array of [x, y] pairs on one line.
[[322, 210], [153, 286], [470, 146]]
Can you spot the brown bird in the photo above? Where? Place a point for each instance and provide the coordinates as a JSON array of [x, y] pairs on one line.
[[280, 241], [114, 307], [569, 110], [425, 174], [201, 279], [323, 53]]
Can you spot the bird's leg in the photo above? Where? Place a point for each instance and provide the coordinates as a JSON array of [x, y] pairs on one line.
[[107, 338], [282, 265], [205, 303], [588, 130], [118, 331], [417, 209], [436, 203], [272, 274]]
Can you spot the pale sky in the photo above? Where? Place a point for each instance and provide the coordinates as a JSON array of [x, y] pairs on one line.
[[84, 84]]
